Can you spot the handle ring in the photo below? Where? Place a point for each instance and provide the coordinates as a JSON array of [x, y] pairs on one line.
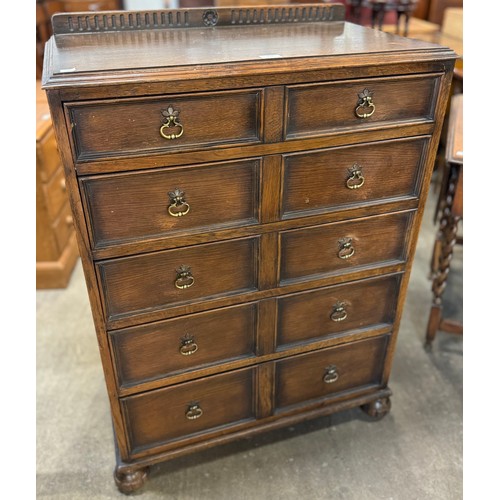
[[364, 106], [179, 282], [193, 412], [181, 212], [171, 123], [346, 255], [185, 278], [342, 317], [188, 348], [346, 250], [355, 176], [331, 375]]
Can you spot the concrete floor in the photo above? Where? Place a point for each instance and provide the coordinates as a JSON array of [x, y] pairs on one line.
[[414, 453]]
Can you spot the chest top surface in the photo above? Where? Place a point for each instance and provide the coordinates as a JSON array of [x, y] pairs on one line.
[[129, 45]]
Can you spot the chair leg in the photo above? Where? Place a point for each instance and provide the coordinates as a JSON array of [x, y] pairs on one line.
[[407, 23], [378, 14], [398, 20]]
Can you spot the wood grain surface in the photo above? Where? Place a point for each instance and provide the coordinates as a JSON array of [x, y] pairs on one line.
[[317, 181], [269, 133], [301, 378], [308, 315], [159, 416], [317, 109], [145, 49], [133, 207], [154, 350], [207, 120], [315, 251], [135, 284]]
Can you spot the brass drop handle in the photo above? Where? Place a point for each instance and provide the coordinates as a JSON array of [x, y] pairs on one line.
[[365, 107], [63, 185], [178, 205], [170, 120], [339, 312], [188, 345], [356, 178], [185, 278], [346, 250], [194, 411], [331, 374]]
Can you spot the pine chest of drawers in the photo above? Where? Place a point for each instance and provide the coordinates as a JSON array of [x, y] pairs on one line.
[[247, 186]]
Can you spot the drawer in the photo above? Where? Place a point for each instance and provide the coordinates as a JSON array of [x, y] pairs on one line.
[[327, 179], [122, 127], [141, 205], [327, 373], [63, 227], [48, 159], [334, 310], [319, 109], [157, 417], [144, 283], [55, 193], [155, 350], [329, 249]]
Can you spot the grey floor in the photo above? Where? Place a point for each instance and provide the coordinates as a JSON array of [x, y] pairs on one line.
[[413, 453]]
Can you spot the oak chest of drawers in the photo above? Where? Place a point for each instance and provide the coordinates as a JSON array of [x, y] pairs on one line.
[[247, 186]]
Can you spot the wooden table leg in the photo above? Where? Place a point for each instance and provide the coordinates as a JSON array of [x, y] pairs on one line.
[[441, 259], [449, 239], [443, 211]]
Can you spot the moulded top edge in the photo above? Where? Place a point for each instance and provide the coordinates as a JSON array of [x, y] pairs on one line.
[[223, 51]]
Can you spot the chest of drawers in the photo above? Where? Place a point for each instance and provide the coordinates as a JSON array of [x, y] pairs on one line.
[[56, 248], [247, 186]]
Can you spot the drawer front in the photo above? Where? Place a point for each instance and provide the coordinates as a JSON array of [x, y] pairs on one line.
[[55, 192], [48, 159], [160, 280], [63, 227], [136, 206], [321, 181], [319, 251], [334, 310], [321, 109], [156, 350], [132, 126], [163, 415], [329, 372]]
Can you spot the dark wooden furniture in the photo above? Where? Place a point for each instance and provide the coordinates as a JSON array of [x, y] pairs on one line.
[[404, 11], [43, 33], [434, 10], [56, 248], [450, 209], [402, 8], [45, 9], [89, 5], [247, 186]]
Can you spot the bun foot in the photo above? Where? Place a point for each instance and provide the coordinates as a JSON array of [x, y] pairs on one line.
[[377, 409], [128, 482]]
